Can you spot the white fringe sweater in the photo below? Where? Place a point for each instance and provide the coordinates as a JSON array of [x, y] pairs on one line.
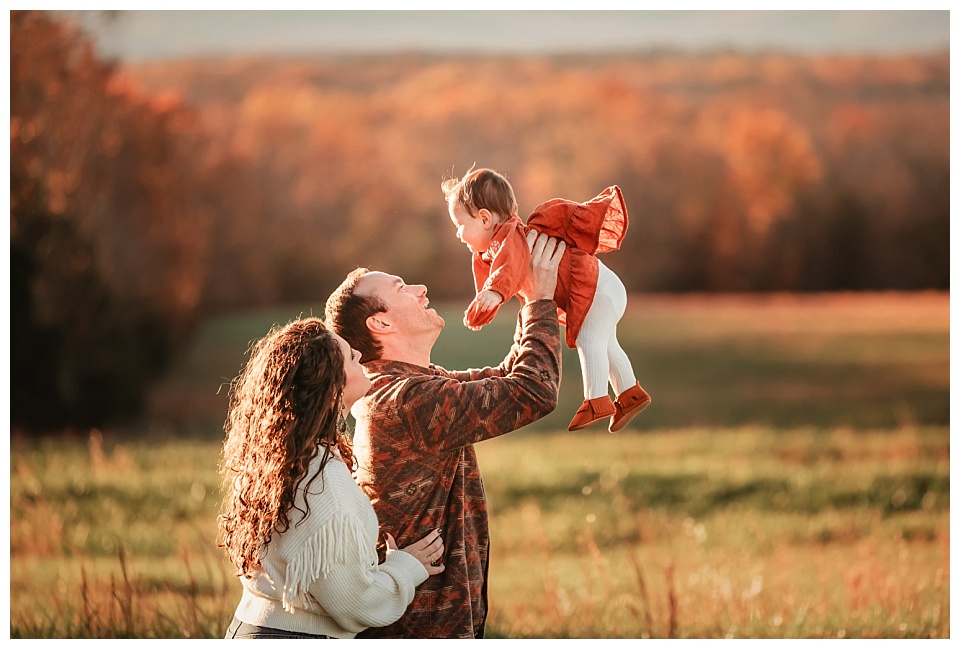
[[323, 576]]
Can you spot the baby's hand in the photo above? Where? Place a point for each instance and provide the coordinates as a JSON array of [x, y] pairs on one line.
[[487, 300], [481, 310]]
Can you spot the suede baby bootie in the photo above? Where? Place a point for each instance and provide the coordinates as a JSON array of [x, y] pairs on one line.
[[628, 405], [591, 411]]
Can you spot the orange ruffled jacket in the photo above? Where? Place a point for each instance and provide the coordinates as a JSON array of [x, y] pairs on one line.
[[588, 229]]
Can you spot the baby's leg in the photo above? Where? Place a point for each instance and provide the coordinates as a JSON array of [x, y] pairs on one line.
[[621, 371], [592, 350], [598, 332]]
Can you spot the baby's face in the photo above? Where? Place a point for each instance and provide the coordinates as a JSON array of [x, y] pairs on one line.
[[471, 230]]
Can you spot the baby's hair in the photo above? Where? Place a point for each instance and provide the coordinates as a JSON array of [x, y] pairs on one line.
[[482, 189]]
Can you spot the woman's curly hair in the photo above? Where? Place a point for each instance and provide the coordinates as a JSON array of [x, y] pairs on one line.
[[284, 406]]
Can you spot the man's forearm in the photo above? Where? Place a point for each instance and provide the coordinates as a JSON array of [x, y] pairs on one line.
[[449, 411], [513, 353], [539, 326]]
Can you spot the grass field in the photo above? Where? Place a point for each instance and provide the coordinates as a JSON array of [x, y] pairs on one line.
[[790, 480]]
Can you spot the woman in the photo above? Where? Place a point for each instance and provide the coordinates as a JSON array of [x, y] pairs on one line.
[[298, 529]]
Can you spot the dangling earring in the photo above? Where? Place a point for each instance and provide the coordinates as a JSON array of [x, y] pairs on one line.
[[341, 421]]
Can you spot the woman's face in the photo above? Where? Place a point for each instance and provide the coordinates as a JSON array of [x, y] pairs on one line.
[[357, 383]]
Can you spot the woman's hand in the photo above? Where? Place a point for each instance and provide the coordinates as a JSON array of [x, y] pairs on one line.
[[428, 551]]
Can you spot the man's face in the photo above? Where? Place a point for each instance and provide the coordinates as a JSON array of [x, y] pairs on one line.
[[407, 304]]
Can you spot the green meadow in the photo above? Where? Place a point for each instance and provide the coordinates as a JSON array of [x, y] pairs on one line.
[[791, 479]]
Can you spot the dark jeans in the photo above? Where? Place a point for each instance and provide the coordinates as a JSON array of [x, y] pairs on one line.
[[242, 631]]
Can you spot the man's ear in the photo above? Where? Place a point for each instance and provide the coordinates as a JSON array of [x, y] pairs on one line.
[[378, 325]]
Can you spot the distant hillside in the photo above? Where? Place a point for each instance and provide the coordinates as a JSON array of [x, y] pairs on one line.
[[143, 199], [741, 172]]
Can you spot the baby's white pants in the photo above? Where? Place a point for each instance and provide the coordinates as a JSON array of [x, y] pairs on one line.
[[600, 353]]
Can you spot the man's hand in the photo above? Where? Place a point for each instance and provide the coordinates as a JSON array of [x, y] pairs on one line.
[[545, 255]]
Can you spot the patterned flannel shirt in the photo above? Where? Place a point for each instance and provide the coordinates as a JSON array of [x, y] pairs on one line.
[[414, 447]]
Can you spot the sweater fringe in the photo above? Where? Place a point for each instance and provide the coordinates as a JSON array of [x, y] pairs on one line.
[[327, 545]]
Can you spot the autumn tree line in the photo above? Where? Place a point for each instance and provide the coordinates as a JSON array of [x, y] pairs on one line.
[[146, 196]]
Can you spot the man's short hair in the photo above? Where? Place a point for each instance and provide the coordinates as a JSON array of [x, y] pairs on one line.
[[346, 313]]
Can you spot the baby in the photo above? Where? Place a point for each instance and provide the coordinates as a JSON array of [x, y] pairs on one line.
[[590, 298]]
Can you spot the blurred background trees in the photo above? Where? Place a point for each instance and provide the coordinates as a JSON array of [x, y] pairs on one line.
[[145, 196], [113, 214], [741, 173]]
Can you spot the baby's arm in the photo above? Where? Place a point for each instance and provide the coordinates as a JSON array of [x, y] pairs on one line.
[[502, 277]]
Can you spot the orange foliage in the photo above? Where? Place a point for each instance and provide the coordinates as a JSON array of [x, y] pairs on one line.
[[738, 170], [232, 182]]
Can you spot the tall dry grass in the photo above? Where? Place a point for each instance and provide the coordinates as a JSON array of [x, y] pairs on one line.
[[99, 549], [791, 480], [721, 533], [587, 541]]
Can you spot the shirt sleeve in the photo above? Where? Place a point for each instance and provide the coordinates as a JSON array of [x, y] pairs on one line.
[[361, 594], [448, 411], [509, 266], [476, 318]]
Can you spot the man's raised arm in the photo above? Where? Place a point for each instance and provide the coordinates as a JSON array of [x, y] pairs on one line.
[[540, 284], [447, 410]]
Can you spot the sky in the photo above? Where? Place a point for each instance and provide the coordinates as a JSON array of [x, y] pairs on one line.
[[138, 35]]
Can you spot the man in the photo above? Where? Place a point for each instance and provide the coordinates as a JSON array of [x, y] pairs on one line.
[[417, 425]]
